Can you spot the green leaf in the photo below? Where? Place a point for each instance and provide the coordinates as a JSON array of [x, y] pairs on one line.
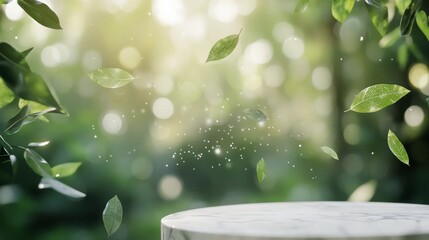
[[379, 16], [402, 55], [26, 52], [390, 39], [37, 163], [38, 144], [23, 118], [65, 169], [427, 100], [41, 13], [377, 97], [6, 95], [301, 6], [260, 170], [9, 55], [330, 152], [112, 215], [255, 114], [34, 108], [423, 23], [408, 19], [48, 182], [341, 9], [397, 148], [111, 77], [402, 5], [223, 47]]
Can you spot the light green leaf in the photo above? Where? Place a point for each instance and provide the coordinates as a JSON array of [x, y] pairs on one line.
[[397, 148], [377, 97], [41, 13], [423, 23], [379, 16], [409, 17], [390, 39], [34, 108], [112, 215], [65, 169], [301, 6], [341, 9], [48, 182], [364, 193], [23, 118], [6, 95], [260, 170], [37, 163], [255, 115], [402, 5], [223, 47], [38, 144], [111, 77], [402, 55], [330, 152]]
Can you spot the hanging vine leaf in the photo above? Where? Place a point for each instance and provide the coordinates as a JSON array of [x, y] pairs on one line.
[[37, 163], [330, 152], [112, 215], [260, 170], [397, 148], [41, 13], [65, 169], [409, 17], [301, 6], [223, 47], [402, 5], [255, 114], [341, 9], [48, 182], [423, 23], [379, 16], [111, 77], [377, 97]]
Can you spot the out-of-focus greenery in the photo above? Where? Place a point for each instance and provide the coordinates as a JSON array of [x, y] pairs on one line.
[[177, 137]]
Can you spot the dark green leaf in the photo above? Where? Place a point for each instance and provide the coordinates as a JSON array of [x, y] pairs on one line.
[[65, 169], [112, 215], [26, 52], [111, 77], [397, 148], [41, 13], [402, 55], [37, 163], [377, 97], [255, 114], [427, 100], [390, 39], [379, 16], [260, 170], [6, 95], [223, 47], [330, 152], [423, 23], [402, 5], [48, 182], [341, 9], [408, 19], [23, 118], [301, 6], [13, 57]]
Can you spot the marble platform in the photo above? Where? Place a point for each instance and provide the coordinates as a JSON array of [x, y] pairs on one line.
[[300, 221]]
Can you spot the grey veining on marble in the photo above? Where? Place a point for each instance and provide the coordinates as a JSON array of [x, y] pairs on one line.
[[300, 221]]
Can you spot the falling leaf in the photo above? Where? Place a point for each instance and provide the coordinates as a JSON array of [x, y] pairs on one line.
[[379, 16], [260, 170], [111, 77], [255, 114], [301, 6], [48, 182], [112, 215], [409, 17], [364, 193], [330, 152], [341, 9], [223, 48], [423, 23], [397, 148], [37, 163], [41, 13], [377, 97], [65, 169]]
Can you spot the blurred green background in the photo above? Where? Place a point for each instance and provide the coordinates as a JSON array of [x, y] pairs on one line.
[[176, 138]]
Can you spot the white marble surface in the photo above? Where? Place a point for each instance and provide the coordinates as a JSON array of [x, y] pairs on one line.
[[299, 221]]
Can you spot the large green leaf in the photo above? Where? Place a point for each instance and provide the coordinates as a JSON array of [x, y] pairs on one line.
[[48, 182], [255, 114], [330, 152], [423, 23], [409, 17], [24, 117], [341, 9], [41, 13], [37, 163], [112, 215], [65, 169], [13, 57], [402, 5], [260, 170], [111, 77], [379, 16], [377, 97], [397, 148], [223, 47], [301, 6], [6, 95]]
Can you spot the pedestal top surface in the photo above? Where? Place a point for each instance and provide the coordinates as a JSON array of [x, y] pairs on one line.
[[300, 220]]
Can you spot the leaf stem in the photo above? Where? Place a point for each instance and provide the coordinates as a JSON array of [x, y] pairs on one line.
[[6, 143]]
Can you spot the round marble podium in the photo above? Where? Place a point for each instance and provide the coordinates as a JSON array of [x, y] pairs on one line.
[[300, 221]]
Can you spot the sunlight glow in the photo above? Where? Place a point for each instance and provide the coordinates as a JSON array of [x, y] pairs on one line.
[[54, 55], [224, 11], [129, 57], [170, 187], [321, 78], [414, 116], [169, 12], [293, 48], [13, 11], [274, 76], [419, 77], [112, 123], [163, 108], [259, 52], [164, 85]]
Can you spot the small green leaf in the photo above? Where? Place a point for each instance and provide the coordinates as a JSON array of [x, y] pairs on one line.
[[341, 9], [26, 52], [301, 6], [390, 39], [23, 118], [377, 97], [65, 169], [402, 55], [34, 108], [48, 182], [37, 163], [423, 23], [223, 47], [6, 95], [260, 170], [397, 148], [402, 5], [112, 215], [408, 19], [41, 13], [111, 77], [330, 152], [379, 16], [255, 114]]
